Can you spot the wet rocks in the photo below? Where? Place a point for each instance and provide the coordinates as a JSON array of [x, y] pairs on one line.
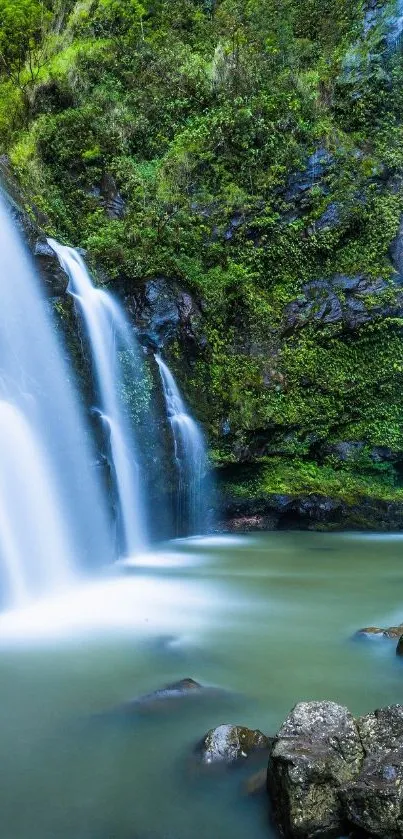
[[163, 312], [174, 690], [317, 751], [49, 267], [112, 200], [378, 632], [307, 512], [231, 743], [330, 774], [374, 801], [399, 648]]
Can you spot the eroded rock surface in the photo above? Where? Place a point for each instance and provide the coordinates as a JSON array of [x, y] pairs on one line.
[[342, 301], [316, 752], [374, 801]]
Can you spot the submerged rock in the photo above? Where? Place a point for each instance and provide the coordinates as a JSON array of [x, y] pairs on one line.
[[316, 752], [257, 783], [231, 743], [172, 696], [171, 691]]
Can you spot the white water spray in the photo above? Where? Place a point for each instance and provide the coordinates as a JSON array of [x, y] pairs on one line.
[[110, 335], [53, 519], [190, 455]]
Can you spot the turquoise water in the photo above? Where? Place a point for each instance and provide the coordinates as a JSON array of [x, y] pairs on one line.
[[267, 618]]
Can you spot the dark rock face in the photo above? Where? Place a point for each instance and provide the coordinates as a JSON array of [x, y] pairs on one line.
[[399, 648], [316, 752], [330, 219], [346, 302], [344, 450], [111, 198], [231, 743], [163, 312], [310, 512], [316, 168], [49, 267]]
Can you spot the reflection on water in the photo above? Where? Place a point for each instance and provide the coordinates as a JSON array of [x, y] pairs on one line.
[[268, 618]]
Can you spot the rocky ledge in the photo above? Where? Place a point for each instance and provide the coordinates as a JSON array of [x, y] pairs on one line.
[[309, 512]]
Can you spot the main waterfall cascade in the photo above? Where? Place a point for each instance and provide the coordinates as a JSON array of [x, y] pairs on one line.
[[190, 456], [112, 344], [53, 519]]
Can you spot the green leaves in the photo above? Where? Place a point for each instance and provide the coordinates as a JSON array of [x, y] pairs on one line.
[[23, 24]]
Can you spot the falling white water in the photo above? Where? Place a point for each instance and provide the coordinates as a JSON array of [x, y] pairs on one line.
[[190, 455], [109, 335], [53, 520]]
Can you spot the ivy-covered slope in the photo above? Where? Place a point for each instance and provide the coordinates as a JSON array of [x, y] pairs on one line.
[[246, 155]]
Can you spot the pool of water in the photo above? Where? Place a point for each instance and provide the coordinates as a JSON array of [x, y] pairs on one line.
[[268, 618]]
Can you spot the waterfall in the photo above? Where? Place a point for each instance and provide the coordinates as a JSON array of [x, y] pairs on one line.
[[190, 456], [112, 346], [53, 518]]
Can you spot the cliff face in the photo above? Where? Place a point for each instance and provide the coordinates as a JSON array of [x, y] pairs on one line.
[[235, 172]]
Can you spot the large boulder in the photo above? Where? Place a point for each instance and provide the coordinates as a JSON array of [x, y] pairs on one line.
[[316, 753], [374, 800], [231, 743]]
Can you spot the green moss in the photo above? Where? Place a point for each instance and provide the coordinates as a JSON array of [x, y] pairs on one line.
[[297, 477]]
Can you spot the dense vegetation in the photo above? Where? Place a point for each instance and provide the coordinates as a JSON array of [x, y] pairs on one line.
[[258, 148]]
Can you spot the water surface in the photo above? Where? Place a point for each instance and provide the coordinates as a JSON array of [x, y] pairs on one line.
[[268, 618]]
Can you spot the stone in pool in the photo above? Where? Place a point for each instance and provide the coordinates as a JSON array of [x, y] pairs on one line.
[[374, 800], [231, 743], [379, 632], [316, 752], [175, 690]]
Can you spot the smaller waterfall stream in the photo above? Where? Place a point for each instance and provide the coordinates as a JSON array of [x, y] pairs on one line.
[[111, 339], [190, 456]]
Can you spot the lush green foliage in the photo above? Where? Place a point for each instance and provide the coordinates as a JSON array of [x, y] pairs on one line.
[[204, 112]]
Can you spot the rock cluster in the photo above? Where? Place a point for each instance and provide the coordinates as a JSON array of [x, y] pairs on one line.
[[329, 774]]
